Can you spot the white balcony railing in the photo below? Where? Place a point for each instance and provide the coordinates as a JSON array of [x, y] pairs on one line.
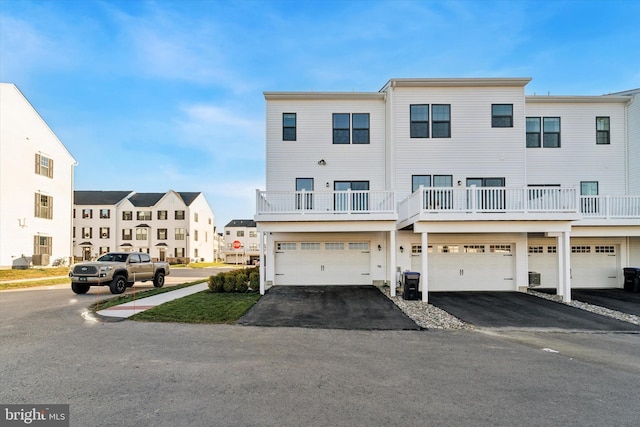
[[610, 206], [325, 202], [473, 200]]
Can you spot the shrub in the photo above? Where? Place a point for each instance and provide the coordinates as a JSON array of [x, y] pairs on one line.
[[241, 283], [254, 279], [216, 283], [235, 281]]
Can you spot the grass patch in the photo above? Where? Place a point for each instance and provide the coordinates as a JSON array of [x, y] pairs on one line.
[[35, 283], [33, 273], [121, 299], [201, 307]]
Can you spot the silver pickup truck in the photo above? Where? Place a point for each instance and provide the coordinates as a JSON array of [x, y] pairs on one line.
[[118, 270]]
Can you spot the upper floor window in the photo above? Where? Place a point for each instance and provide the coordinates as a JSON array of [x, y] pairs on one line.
[[240, 233], [105, 213], [419, 117], [127, 215], [105, 232], [179, 215], [441, 121], [227, 232], [87, 213], [351, 128], [195, 217], [141, 233], [551, 132], [533, 132], [162, 234], [162, 215], [126, 234], [602, 130], [360, 122], [44, 165], [179, 234], [288, 126], [42, 245], [502, 115], [341, 129], [253, 234], [43, 206], [143, 215], [87, 232], [195, 235]]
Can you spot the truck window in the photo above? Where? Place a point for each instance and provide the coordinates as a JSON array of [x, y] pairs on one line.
[[145, 258], [134, 258]]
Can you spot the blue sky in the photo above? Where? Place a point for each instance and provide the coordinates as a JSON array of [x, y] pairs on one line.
[[158, 95]]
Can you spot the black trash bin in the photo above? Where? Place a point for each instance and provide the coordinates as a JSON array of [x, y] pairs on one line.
[[411, 283], [631, 279]]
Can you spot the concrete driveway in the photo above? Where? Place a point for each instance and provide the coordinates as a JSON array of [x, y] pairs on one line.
[[328, 307], [520, 310]]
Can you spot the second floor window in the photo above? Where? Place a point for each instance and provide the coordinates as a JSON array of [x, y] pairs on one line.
[[240, 233], [105, 213], [551, 132], [104, 232], [179, 234], [288, 126], [87, 213], [127, 234], [195, 235], [502, 115], [127, 215], [162, 234], [602, 130], [253, 234], [143, 215], [141, 233], [162, 215], [533, 132], [43, 206], [179, 215], [87, 232], [419, 126], [441, 121], [44, 165]]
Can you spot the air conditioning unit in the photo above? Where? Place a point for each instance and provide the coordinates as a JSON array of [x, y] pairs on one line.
[[40, 259]]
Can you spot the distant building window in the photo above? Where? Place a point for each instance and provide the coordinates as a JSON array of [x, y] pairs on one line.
[[360, 122], [533, 132], [341, 128], [419, 116], [142, 233], [551, 132], [195, 252], [240, 233], [195, 217], [87, 232], [87, 213], [103, 250], [502, 115], [195, 235], [127, 215], [162, 234], [162, 215], [253, 247], [253, 234], [44, 165], [43, 206], [127, 234], [441, 121], [105, 213], [42, 245], [179, 215], [602, 130], [105, 232], [143, 215], [179, 234], [227, 232], [289, 126], [179, 252]]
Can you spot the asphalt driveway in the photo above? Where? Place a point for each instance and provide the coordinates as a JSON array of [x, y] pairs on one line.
[[614, 299], [520, 310], [328, 307]]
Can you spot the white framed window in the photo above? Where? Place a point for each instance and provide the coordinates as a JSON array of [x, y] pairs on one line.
[[503, 249], [286, 246], [334, 246], [309, 246], [359, 246]]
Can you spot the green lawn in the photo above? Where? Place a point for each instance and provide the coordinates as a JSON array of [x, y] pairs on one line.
[[32, 273], [121, 299], [201, 307], [35, 283]]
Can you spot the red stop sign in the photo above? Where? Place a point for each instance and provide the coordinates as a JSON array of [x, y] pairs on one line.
[[236, 244]]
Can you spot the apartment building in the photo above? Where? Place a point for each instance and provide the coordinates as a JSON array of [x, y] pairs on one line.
[[173, 226], [241, 244], [36, 186], [469, 182]]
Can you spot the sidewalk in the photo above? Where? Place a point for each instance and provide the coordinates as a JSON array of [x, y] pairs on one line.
[[123, 311]]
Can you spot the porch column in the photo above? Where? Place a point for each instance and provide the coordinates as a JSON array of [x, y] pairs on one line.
[[392, 262], [566, 262], [425, 265], [263, 268], [559, 254]]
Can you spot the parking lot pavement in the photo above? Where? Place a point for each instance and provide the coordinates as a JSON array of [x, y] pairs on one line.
[[328, 307], [520, 310], [612, 298]]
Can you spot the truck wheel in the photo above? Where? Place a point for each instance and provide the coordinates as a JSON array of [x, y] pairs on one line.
[[158, 281], [80, 288], [118, 285]]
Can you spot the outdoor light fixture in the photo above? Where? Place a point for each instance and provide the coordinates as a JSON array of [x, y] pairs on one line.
[[322, 162], [401, 249], [459, 183], [379, 248]]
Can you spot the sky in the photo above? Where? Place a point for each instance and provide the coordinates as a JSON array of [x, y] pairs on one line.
[[158, 95]]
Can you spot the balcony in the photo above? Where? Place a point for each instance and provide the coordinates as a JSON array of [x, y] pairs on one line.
[[490, 204], [325, 206], [610, 210]]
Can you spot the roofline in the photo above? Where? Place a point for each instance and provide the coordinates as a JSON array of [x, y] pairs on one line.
[[457, 82], [324, 95], [533, 99]]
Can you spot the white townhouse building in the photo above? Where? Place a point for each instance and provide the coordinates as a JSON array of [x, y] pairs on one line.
[[172, 226], [242, 245], [468, 181], [36, 186]]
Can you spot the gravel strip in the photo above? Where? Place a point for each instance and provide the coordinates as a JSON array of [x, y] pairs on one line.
[[630, 318], [426, 315]]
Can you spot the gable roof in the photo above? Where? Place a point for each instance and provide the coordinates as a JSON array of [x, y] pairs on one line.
[[99, 197], [145, 200], [188, 197], [241, 223]]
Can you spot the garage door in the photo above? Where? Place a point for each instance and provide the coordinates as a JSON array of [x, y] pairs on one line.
[[468, 267], [322, 263], [592, 266]]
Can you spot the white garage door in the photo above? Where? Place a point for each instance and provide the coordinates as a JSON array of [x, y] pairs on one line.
[[592, 266], [468, 267], [322, 263]]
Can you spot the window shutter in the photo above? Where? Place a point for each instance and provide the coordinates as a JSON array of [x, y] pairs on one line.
[[50, 168], [37, 206], [37, 163], [36, 245], [50, 213]]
